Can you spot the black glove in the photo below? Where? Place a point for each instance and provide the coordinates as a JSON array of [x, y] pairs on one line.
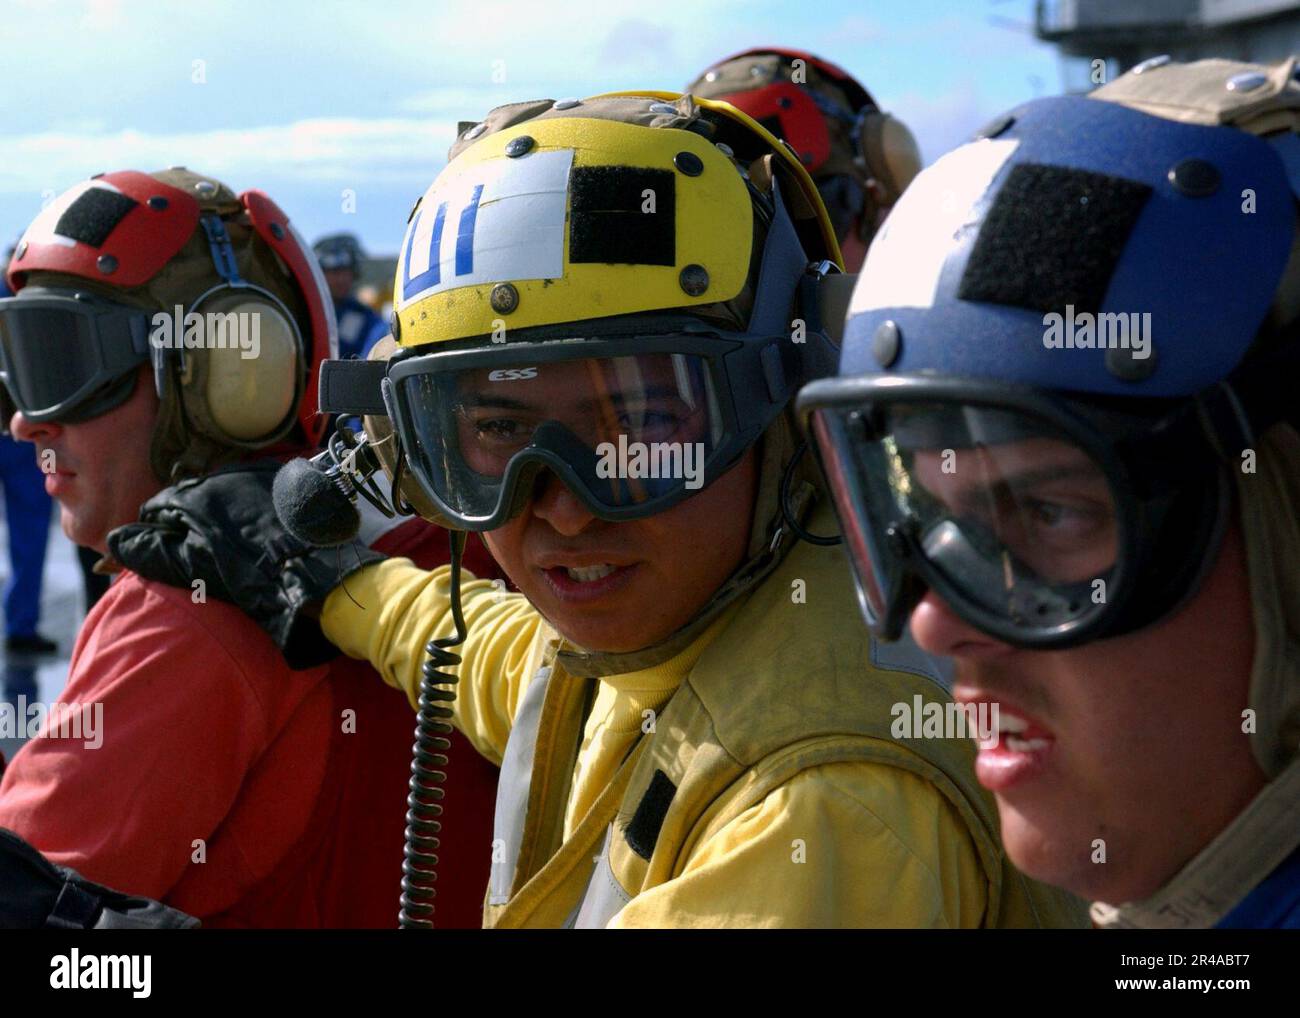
[[34, 893], [222, 529]]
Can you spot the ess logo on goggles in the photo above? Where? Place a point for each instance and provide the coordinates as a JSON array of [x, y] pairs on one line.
[[631, 425], [475, 441]]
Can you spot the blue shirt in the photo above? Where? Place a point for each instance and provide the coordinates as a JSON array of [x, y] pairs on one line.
[[1273, 905], [359, 328]]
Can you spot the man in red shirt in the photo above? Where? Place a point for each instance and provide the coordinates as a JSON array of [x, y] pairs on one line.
[[163, 328]]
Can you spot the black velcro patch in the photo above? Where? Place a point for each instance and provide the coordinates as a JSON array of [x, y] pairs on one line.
[[606, 221], [93, 216], [643, 832], [1052, 238]]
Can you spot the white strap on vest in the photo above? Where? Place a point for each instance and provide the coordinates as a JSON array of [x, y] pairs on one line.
[[604, 897], [513, 787]]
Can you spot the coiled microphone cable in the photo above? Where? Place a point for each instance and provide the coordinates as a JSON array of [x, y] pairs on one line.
[[316, 502], [429, 762]]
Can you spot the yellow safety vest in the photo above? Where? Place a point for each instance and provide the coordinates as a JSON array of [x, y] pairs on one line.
[[790, 683]]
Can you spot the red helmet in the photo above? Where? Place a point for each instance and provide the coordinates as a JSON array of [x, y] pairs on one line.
[[181, 242], [830, 121], [781, 95]]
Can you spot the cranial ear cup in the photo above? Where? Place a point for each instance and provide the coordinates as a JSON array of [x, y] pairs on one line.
[[241, 383], [889, 153]]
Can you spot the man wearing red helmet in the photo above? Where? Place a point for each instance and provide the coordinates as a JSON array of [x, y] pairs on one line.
[[860, 157], [165, 328]]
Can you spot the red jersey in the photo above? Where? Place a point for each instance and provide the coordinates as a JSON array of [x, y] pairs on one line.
[[235, 789]]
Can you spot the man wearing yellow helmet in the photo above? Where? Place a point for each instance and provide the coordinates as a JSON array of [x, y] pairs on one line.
[[603, 310]]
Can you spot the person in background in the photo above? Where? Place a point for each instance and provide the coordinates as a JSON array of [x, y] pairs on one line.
[[860, 157], [245, 788], [360, 328]]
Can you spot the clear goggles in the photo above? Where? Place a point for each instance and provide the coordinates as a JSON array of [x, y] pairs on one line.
[[631, 425], [68, 356], [1012, 508]]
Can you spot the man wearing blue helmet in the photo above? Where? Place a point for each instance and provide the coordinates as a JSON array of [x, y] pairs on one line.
[[1063, 446]]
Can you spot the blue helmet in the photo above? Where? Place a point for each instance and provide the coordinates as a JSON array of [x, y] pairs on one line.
[[1061, 342]]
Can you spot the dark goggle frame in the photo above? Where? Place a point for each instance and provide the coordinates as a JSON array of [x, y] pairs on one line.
[[118, 336], [743, 373], [1146, 469]]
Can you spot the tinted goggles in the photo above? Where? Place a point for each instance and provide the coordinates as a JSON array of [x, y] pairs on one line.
[[631, 425], [1030, 524], [69, 357]]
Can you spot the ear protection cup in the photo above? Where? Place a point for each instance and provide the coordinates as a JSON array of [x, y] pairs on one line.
[[889, 151], [238, 359], [242, 386]]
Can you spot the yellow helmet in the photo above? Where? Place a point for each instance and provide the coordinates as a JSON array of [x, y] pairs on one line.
[[588, 282], [623, 203]]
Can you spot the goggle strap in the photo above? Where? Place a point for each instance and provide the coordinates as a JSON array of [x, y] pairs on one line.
[[784, 262], [223, 254], [1227, 420], [829, 108], [124, 340]]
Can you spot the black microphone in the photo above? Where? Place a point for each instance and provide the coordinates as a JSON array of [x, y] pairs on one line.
[[312, 505]]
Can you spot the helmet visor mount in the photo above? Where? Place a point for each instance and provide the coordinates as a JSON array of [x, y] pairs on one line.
[[630, 425], [1008, 505], [63, 356]]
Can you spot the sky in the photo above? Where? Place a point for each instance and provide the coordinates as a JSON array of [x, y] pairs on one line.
[[343, 112]]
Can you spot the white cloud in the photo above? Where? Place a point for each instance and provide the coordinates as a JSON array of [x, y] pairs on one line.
[[347, 152]]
